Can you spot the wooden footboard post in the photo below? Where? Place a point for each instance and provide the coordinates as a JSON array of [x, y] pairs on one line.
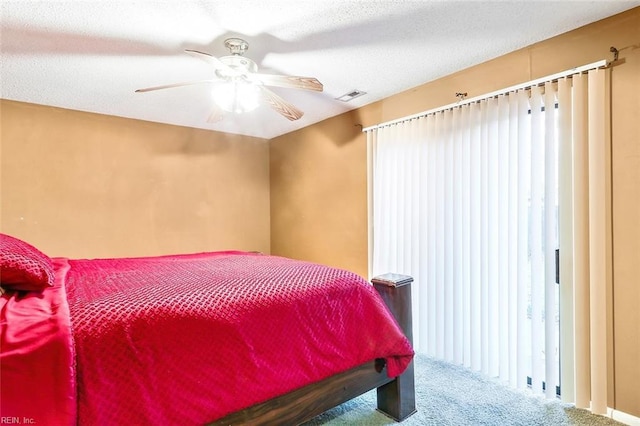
[[397, 398]]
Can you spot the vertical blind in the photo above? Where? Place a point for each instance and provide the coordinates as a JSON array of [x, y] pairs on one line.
[[473, 200]]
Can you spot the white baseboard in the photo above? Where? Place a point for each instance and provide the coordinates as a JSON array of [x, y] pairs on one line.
[[623, 417]]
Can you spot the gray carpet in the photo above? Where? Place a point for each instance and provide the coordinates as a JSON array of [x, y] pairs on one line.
[[450, 395]]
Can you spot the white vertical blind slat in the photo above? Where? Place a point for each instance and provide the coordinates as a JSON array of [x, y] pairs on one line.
[[536, 247], [475, 248], [512, 250], [502, 223], [466, 234], [440, 236], [431, 219], [371, 148], [448, 237], [420, 293], [415, 248], [550, 241], [484, 240], [457, 215], [493, 232], [524, 191], [565, 235]]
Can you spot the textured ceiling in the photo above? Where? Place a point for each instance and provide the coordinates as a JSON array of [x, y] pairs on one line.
[[92, 55]]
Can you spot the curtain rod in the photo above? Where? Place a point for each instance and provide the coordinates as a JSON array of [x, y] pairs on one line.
[[599, 64]]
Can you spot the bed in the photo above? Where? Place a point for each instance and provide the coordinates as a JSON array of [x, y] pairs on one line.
[[227, 337]]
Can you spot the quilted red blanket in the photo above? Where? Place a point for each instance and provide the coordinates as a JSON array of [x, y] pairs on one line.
[[187, 339]]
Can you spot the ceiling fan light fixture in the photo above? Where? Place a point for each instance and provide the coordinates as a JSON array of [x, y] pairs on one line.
[[236, 96]]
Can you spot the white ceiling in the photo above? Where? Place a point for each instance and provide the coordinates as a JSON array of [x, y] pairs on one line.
[[91, 55]]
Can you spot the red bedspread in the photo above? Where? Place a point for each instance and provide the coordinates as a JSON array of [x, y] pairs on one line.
[[37, 382], [181, 340]]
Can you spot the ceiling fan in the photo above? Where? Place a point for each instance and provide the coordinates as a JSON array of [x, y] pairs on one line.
[[238, 87]]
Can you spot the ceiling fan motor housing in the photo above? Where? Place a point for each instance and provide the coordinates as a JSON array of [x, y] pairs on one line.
[[236, 46]]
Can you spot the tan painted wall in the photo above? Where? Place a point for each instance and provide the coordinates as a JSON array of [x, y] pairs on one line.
[[318, 174], [85, 185], [319, 206]]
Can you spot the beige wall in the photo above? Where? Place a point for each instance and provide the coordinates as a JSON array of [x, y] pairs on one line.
[[318, 174], [319, 206], [85, 185]]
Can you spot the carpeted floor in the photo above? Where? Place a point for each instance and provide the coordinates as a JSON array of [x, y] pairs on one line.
[[448, 395]]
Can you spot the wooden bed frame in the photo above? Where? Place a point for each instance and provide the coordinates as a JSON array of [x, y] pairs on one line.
[[396, 397]]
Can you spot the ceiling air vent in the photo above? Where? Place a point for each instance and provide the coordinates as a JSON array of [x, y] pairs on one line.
[[351, 95]]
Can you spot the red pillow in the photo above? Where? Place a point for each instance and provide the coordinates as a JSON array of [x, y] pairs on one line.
[[22, 266]]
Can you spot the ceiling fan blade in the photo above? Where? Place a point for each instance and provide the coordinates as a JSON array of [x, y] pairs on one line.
[[210, 59], [169, 86], [204, 56], [280, 105], [288, 81]]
